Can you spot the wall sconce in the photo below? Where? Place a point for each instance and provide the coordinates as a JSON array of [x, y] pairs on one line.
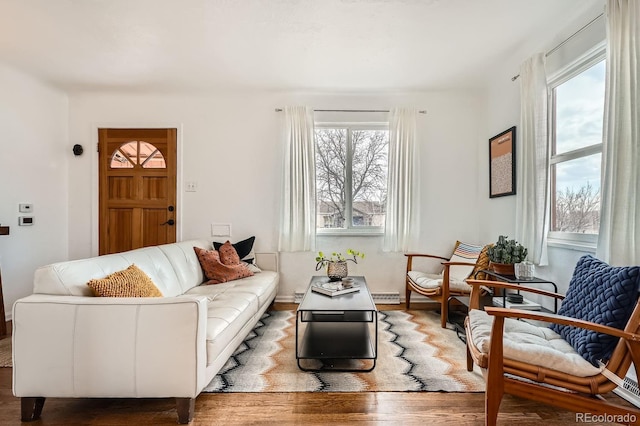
[[77, 149]]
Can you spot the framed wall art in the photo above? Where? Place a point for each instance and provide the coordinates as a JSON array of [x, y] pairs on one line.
[[502, 164]]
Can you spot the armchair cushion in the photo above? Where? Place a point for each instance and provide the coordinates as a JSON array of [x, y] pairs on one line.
[[528, 343], [463, 253], [602, 294], [433, 281]]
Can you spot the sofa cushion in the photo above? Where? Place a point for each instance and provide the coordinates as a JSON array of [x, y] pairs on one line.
[[602, 294], [131, 282], [217, 272]]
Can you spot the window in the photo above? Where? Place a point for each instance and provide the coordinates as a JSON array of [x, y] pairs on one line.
[[351, 177], [133, 153], [577, 108]]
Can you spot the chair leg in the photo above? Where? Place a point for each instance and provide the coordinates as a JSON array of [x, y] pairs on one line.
[[444, 313], [186, 408], [492, 400], [469, 358], [407, 299], [31, 408]]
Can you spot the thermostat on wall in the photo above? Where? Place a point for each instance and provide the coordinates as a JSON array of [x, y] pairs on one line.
[[25, 220]]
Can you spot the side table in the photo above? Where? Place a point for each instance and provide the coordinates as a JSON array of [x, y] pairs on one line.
[[511, 279]]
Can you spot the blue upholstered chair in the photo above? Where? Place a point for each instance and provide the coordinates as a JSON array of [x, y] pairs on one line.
[[585, 352]]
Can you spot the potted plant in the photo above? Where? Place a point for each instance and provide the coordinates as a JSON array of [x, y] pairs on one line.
[[504, 254], [336, 264]]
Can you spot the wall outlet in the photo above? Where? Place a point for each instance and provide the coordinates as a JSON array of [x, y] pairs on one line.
[[191, 186]]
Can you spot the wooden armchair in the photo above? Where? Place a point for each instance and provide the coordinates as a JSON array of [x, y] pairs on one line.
[[451, 281], [492, 345]]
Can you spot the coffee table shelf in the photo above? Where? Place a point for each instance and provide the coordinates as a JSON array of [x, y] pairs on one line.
[[337, 328], [334, 340]]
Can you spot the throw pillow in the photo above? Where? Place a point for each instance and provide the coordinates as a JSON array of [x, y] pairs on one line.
[[244, 249], [464, 253], [602, 294], [228, 254], [216, 271], [482, 263], [131, 282]]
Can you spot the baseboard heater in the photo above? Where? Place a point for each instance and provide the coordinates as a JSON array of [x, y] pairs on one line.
[[383, 298], [629, 391]]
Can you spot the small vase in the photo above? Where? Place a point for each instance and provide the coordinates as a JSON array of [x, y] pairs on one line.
[[336, 271], [502, 268]]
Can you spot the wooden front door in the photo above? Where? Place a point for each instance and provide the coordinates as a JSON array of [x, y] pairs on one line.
[[137, 176]]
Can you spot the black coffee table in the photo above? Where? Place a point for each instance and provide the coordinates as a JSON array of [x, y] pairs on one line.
[[336, 329]]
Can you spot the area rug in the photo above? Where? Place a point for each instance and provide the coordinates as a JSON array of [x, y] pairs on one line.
[[5, 352], [414, 354]]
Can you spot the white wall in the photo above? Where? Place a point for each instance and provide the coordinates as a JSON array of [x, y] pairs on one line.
[[503, 111], [230, 145], [33, 169]]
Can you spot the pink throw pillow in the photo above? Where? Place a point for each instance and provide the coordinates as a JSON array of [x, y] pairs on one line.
[[217, 272]]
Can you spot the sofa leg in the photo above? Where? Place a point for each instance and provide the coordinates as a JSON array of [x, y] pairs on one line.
[[186, 408], [31, 408]]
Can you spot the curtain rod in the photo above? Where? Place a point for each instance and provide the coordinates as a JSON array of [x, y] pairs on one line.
[[352, 110], [562, 43]]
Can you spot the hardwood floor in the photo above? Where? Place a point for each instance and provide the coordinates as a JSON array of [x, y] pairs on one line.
[[393, 408]]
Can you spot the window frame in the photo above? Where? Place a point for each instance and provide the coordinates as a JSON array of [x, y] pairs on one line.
[[570, 240], [350, 229]]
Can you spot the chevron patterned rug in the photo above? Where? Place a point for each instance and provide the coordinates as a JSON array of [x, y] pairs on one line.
[[414, 354]]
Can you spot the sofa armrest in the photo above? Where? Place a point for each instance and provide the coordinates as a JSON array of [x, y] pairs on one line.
[[72, 346], [267, 261]]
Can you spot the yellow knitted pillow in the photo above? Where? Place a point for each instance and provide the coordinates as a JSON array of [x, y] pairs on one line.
[[482, 263], [131, 282]]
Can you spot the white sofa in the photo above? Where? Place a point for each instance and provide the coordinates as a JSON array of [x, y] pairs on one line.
[[67, 343]]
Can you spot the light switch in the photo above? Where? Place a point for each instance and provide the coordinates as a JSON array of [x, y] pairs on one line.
[[25, 207]]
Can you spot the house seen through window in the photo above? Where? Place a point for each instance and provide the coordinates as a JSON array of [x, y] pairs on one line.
[[351, 176], [577, 110]]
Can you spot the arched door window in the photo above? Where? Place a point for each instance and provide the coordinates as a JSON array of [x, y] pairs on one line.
[[137, 153]]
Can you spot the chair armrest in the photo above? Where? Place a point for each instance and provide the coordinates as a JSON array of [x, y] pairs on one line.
[[425, 255], [562, 320], [410, 257], [448, 264], [476, 284]]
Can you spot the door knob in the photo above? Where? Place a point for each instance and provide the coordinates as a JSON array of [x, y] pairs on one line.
[[170, 222], [171, 208]]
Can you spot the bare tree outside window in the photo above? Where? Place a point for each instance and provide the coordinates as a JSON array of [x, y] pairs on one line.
[[351, 177], [578, 211]]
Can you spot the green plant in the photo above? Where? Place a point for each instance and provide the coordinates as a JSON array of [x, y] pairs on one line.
[[337, 257], [507, 251]]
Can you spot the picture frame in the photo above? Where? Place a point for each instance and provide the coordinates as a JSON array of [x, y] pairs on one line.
[[502, 164]]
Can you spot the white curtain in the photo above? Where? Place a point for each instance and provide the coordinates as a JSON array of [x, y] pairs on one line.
[[532, 186], [401, 222], [619, 234], [298, 215]]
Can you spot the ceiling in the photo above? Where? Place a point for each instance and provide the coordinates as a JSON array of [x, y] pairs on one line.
[[315, 45]]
